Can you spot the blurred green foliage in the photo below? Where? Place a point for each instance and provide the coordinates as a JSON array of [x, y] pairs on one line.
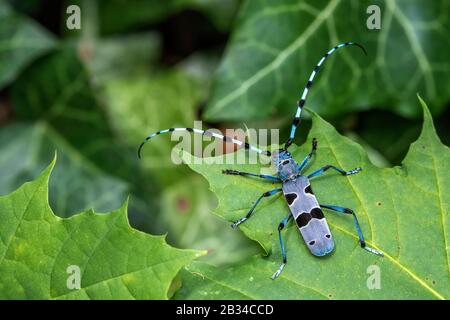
[[138, 66], [22, 40], [275, 44]]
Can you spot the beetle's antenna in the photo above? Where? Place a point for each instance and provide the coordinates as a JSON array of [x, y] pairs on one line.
[[301, 102], [205, 133]]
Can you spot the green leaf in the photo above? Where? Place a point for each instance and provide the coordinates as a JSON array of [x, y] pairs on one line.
[[135, 104], [77, 183], [57, 110], [403, 211], [115, 261], [121, 56], [21, 41], [276, 44], [138, 13], [185, 211], [56, 90]]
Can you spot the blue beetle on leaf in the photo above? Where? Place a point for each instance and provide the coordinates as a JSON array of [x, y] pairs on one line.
[[296, 187]]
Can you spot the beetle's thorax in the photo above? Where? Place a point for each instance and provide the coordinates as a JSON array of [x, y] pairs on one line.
[[286, 166]]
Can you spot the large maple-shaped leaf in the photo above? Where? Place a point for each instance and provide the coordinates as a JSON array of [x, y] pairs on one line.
[[115, 261], [404, 212], [276, 44]]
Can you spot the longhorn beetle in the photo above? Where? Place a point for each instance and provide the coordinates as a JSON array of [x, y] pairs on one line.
[[296, 187]]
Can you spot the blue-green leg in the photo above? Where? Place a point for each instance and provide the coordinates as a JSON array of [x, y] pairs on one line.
[[325, 168], [309, 156], [249, 213], [358, 228], [248, 174], [281, 226]]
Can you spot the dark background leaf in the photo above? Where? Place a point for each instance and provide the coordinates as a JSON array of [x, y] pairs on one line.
[[21, 41], [275, 46]]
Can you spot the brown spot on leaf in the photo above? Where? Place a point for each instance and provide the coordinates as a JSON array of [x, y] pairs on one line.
[[182, 204]]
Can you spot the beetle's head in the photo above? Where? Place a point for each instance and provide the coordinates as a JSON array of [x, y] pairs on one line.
[[280, 155], [284, 164]]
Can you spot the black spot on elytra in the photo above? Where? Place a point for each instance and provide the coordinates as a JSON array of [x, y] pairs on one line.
[[311, 242], [309, 190], [290, 197], [317, 213], [285, 162], [303, 219]]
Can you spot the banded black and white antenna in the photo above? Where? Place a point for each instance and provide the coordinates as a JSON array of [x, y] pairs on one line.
[[205, 133], [308, 85]]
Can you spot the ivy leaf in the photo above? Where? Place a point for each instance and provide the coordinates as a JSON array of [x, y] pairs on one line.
[[57, 110], [276, 44], [21, 41], [115, 261], [403, 211], [26, 151], [56, 90]]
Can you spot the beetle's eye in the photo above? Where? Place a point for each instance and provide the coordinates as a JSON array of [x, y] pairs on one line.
[[311, 242]]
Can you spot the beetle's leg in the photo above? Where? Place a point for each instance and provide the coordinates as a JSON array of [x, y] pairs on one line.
[[248, 174], [325, 168], [358, 228], [249, 213], [281, 226], [308, 157]]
